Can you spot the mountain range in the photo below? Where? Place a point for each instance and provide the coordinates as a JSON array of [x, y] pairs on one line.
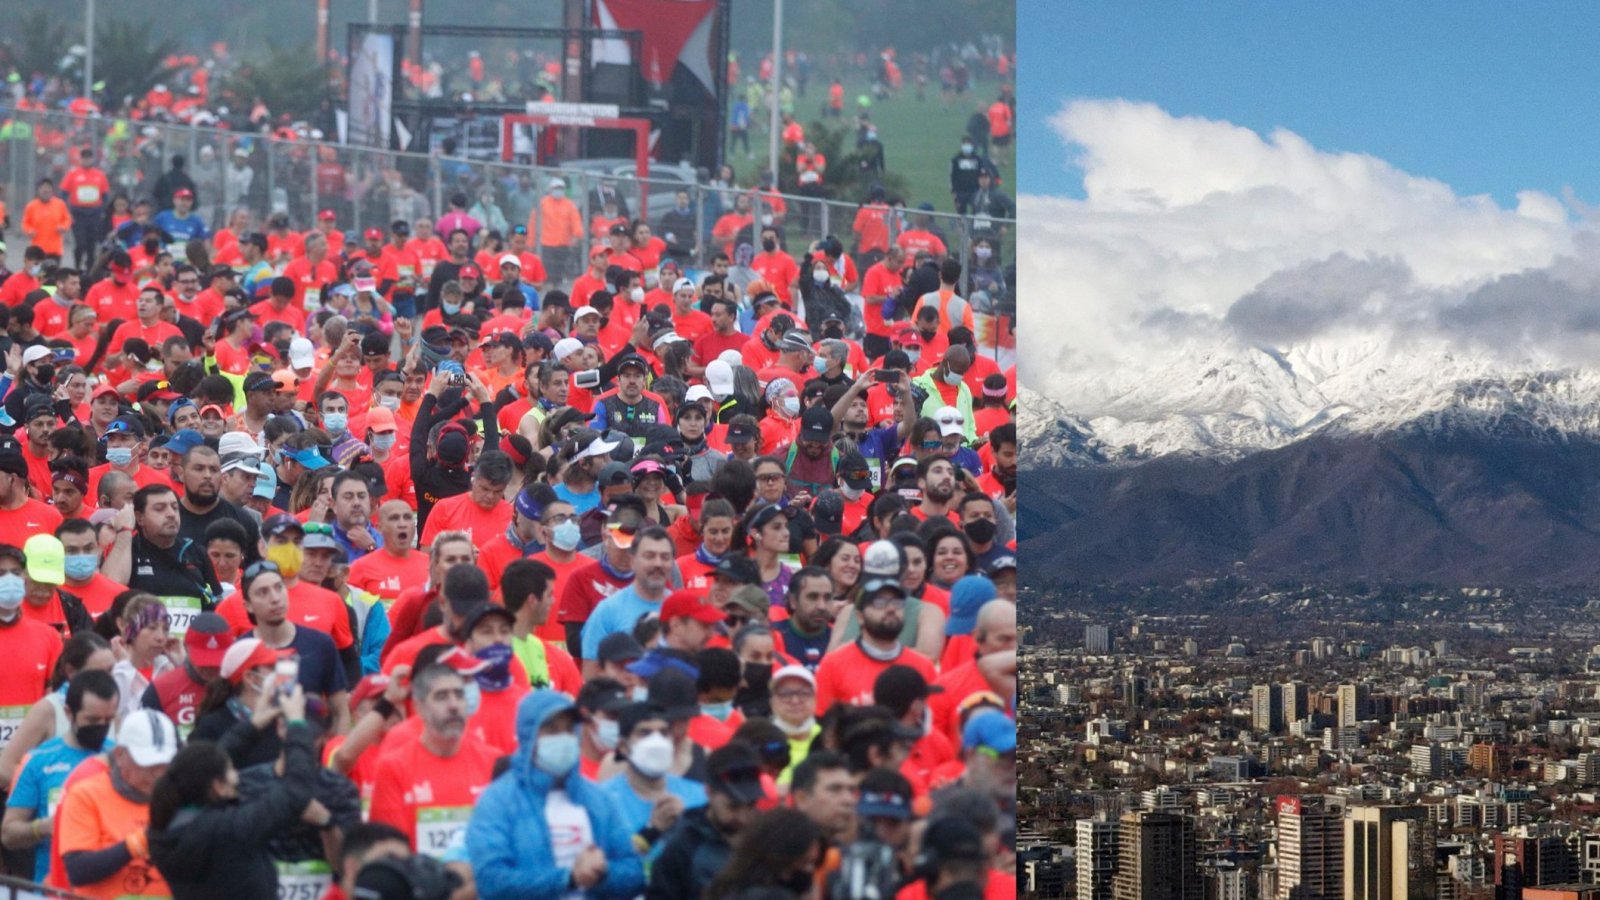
[[1360, 461]]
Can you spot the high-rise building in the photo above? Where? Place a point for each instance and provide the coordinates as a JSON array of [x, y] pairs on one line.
[[1427, 760], [1310, 848], [1097, 639], [1266, 708], [1524, 857], [1352, 703], [1156, 858], [1096, 857], [1388, 853], [1295, 701]]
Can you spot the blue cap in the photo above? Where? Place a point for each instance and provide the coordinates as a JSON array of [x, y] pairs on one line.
[[185, 440], [967, 596], [308, 457], [653, 662], [992, 729], [180, 403], [267, 483]]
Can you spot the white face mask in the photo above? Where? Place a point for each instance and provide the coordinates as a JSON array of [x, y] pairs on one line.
[[606, 733], [11, 591], [850, 493], [636, 295], [389, 402], [819, 275], [556, 754], [651, 755]]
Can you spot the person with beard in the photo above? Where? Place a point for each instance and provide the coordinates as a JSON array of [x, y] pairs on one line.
[[701, 844], [936, 479], [202, 503], [847, 675], [91, 707], [852, 411], [426, 785], [1000, 482], [805, 632]]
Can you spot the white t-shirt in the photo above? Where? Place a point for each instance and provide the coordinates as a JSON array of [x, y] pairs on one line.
[[570, 831]]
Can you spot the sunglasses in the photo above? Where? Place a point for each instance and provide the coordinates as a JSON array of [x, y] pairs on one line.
[[887, 603], [257, 568]]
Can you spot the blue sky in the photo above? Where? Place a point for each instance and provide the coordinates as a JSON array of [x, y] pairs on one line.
[[1488, 97]]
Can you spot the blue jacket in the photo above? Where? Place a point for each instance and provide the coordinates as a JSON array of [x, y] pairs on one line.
[[508, 839]]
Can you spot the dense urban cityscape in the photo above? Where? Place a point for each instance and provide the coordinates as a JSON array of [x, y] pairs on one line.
[[1235, 741]]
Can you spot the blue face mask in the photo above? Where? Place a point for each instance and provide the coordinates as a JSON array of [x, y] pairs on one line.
[[336, 422], [82, 566], [556, 754], [11, 591], [474, 697], [719, 711], [566, 535], [119, 456], [450, 309], [820, 363]]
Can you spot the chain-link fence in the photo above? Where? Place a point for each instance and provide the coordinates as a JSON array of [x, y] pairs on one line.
[[564, 209]]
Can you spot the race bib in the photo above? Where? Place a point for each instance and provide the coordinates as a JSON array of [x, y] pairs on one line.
[[303, 880], [10, 720], [181, 611], [52, 798], [427, 268], [87, 195], [441, 829], [407, 271], [313, 298], [982, 223]]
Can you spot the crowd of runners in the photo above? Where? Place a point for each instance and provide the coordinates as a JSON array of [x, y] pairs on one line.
[[440, 559]]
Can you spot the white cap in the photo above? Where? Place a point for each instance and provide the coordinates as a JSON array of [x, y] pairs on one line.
[[35, 353], [149, 737], [566, 347], [302, 354], [584, 311], [800, 672], [557, 182], [698, 392], [511, 259], [597, 447], [238, 442], [664, 339], [950, 420], [681, 284], [719, 377], [882, 559], [242, 462], [731, 357]]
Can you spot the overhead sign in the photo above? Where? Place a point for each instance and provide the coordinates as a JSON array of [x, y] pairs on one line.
[[574, 113]]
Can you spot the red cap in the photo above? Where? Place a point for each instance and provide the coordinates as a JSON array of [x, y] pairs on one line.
[[105, 390], [373, 234], [470, 272], [369, 688], [206, 649], [326, 215], [907, 332], [600, 250], [684, 603], [182, 192]]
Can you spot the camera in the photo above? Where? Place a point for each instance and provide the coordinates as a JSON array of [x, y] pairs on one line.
[[588, 378], [413, 878]]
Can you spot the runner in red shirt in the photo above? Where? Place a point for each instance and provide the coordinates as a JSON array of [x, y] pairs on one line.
[[848, 674]]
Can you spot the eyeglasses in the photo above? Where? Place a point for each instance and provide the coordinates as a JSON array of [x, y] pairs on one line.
[[770, 477], [887, 601], [257, 568], [736, 620], [932, 445], [560, 519]]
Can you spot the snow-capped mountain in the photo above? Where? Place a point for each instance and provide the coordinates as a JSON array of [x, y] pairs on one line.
[[1229, 402]]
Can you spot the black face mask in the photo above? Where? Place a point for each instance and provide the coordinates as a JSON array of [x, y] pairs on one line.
[[93, 737], [769, 244], [834, 331], [756, 676], [45, 374], [980, 530]]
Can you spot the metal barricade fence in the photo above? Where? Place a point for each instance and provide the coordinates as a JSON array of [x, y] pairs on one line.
[[18, 889], [368, 187]]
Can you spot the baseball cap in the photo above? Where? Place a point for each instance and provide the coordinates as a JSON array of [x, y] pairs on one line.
[[485, 611], [950, 420], [597, 447], [816, 424], [368, 688], [951, 839], [105, 390], [285, 381], [307, 457], [326, 215], [749, 598], [738, 568], [210, 408], [990, 729], [565, 348], [185, 440], [598, 696], [381, 420], [278, 524], [207, 640], [795, 339], [967, 596], [741, 432], [585, 310], [884, 805], [619, 647], [511, 259], [793, 671], [897, 687], [246, 654], [319, 536], [159, 390], [685, 603], [12, 463], [35, 353], [674, 691], [828, 512], [470, 271], [1003, 563], [182, 192], [719, 378], [854, 470], [872, 586], [696, 393], [882, 559], [36, 406], [266, 483], [149, 737], [124, 425], [302, 354], [373, 234], [734, 770], [47, 559]]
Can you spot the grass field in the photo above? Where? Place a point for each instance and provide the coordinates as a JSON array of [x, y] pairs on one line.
[[919, 137]]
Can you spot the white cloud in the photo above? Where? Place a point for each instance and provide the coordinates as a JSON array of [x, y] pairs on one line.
[[1196, 231]]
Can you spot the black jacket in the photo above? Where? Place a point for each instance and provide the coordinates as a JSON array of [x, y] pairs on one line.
[[220, 850], [77, 615], [433, 481], [822, 301], [694, 853]]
